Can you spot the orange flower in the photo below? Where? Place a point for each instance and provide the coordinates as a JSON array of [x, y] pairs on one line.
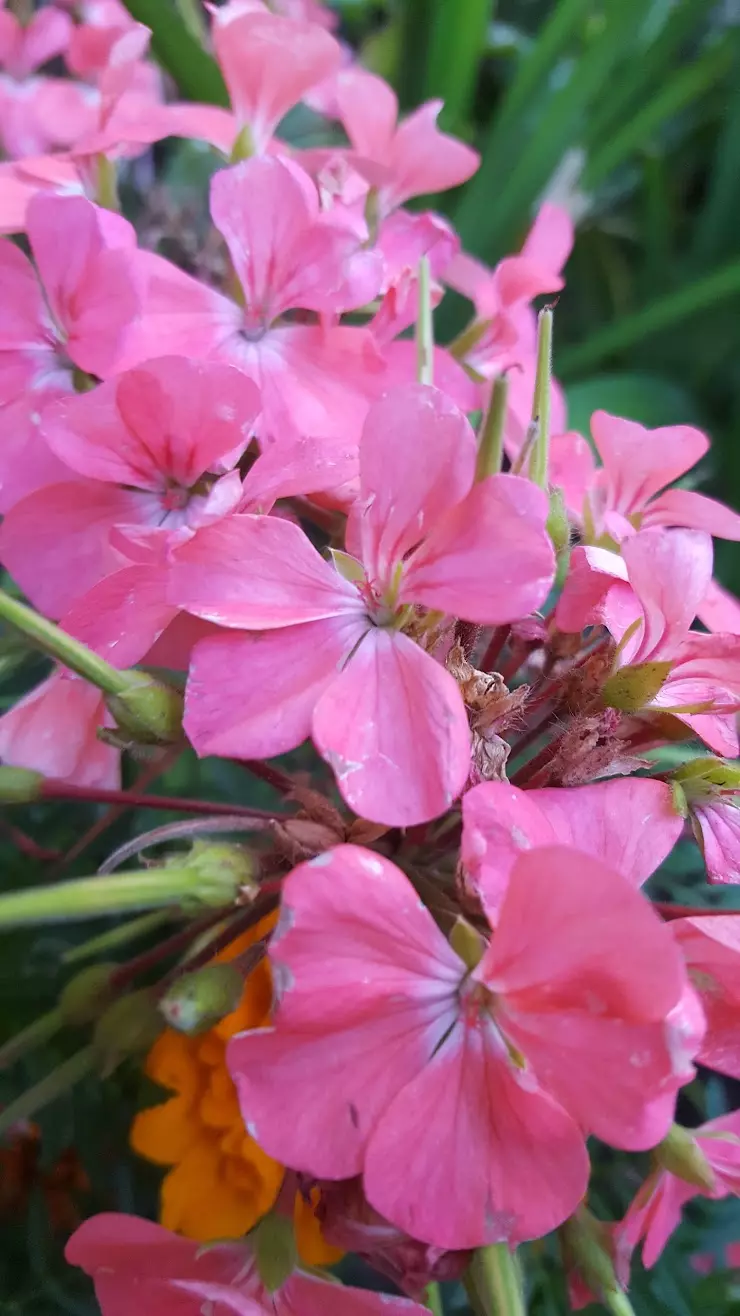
[[220, 1182]]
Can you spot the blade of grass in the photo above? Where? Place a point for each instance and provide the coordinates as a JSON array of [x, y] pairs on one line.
[[456, 42], [715, 233], [687, 85], [412, 20], [195, 71], [662, 314]]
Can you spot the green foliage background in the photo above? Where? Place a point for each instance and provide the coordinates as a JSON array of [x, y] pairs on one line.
[[635, 106]]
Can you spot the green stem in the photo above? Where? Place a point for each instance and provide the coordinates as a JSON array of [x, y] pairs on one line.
[[491, 437], [433, 1300], [118, 936], [95, 897], [54, 1085], [618, 1303], [38, 1032], [496, 1281], [107, 184], [425, 326], [193, 18], [57, 644], [538, 462]]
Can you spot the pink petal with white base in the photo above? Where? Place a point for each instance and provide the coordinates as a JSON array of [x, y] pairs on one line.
[[639, 462], [175, 310], [490, 558], [499, 1161], [394, 729], [56, 542], [253, 696], [417, 460], [269, 63], [683, 507], [711, 949], [718, 822], [167, 422], [258, 572]]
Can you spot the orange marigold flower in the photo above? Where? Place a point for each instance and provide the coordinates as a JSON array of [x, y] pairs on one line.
[[219, 1181]]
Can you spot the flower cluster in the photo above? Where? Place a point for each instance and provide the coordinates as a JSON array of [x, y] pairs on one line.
[[259, 480]]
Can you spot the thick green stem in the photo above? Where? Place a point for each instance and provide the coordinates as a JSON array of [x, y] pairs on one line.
[[119, 936], [95, 897], [433, 1300], [57, 644], [38, 1032], [496, 1281], [425, 326], [491, 437], [538, 462]]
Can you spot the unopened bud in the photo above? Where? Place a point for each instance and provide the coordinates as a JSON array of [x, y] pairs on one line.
[[86, 995], [630, 688], [467, 942], [218, 874], [586, 1248], [680, 1154], [19, 785], [128, 1028], [275, 1250], [147, 710], [558, 525], [199, 1000], [699, 775]]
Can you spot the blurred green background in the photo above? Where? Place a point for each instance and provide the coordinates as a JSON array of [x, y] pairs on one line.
[[629, 112]]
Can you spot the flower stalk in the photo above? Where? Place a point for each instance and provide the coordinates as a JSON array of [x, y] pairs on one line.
[[539, 459], [425, 326], [491, 436], [493, 1282]]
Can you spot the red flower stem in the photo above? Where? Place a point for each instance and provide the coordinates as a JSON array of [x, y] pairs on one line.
[[668, 911], [26, 844], [275, 777], [519, 655], [62, 790], [533, 734], [537, 771], [495, 648], [171, 945], [242, 920]]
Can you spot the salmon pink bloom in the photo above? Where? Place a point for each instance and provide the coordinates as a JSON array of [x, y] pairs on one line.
[[656, 1210], [147, 448], [53, 730], [647, 599], [141, 1269], [628, 491], [630, 824], [403, 160], [71, 311], [710, 946], [384, 1040], [335, 656], [23, 49]]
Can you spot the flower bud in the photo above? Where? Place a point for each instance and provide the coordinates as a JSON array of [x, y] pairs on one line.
[[275, 1250], [86, 995], [586, 1249], [680, 1154], [20, 785], [128, 1028], [218, 873], [630, 688], [558, 525], [199, 1000], [147, 710]]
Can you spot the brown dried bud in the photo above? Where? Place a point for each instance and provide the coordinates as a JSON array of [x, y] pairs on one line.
[[591, 748], [298, 839]]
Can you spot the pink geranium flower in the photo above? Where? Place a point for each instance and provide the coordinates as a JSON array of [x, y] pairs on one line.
[[384, 1040], [647, 599], [710, 946], [628, 491], [53, 729], [336, 655], [72, 311], [23, 49], [656, 1210], [401, 160], [147, 448], [141, 1269], [630, 824]]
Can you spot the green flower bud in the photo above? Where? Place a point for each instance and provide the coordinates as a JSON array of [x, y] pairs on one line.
[[586, 1248], [128, 1028], [630, 688], [20, 785], [199, 1000], [680, 1154], [275, 1250], [86, 995], [558, 525], [218, 873], [147, 710]]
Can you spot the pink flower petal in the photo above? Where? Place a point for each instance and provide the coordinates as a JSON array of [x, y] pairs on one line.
[[298, 466], [592, 574], [253, 696], [498, 1160], [417, 459], [639, 462], [683, 507], [23, 313], [123, 615], [711, 949], [175, 310], [670, 572], [719, 610], [307, 1295], [368, 108], [258, 572], [718, 821], [53, 729], [422, 159], [490, 558], [572, 469], [394, 729]]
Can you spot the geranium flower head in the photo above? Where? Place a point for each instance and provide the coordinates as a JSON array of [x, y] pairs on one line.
[[384, 1039], [337, 652]]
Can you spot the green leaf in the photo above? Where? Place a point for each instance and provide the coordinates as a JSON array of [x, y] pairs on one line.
[[664, 313], [195, 71], [456, 43], [715, 232], [649, 399]]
